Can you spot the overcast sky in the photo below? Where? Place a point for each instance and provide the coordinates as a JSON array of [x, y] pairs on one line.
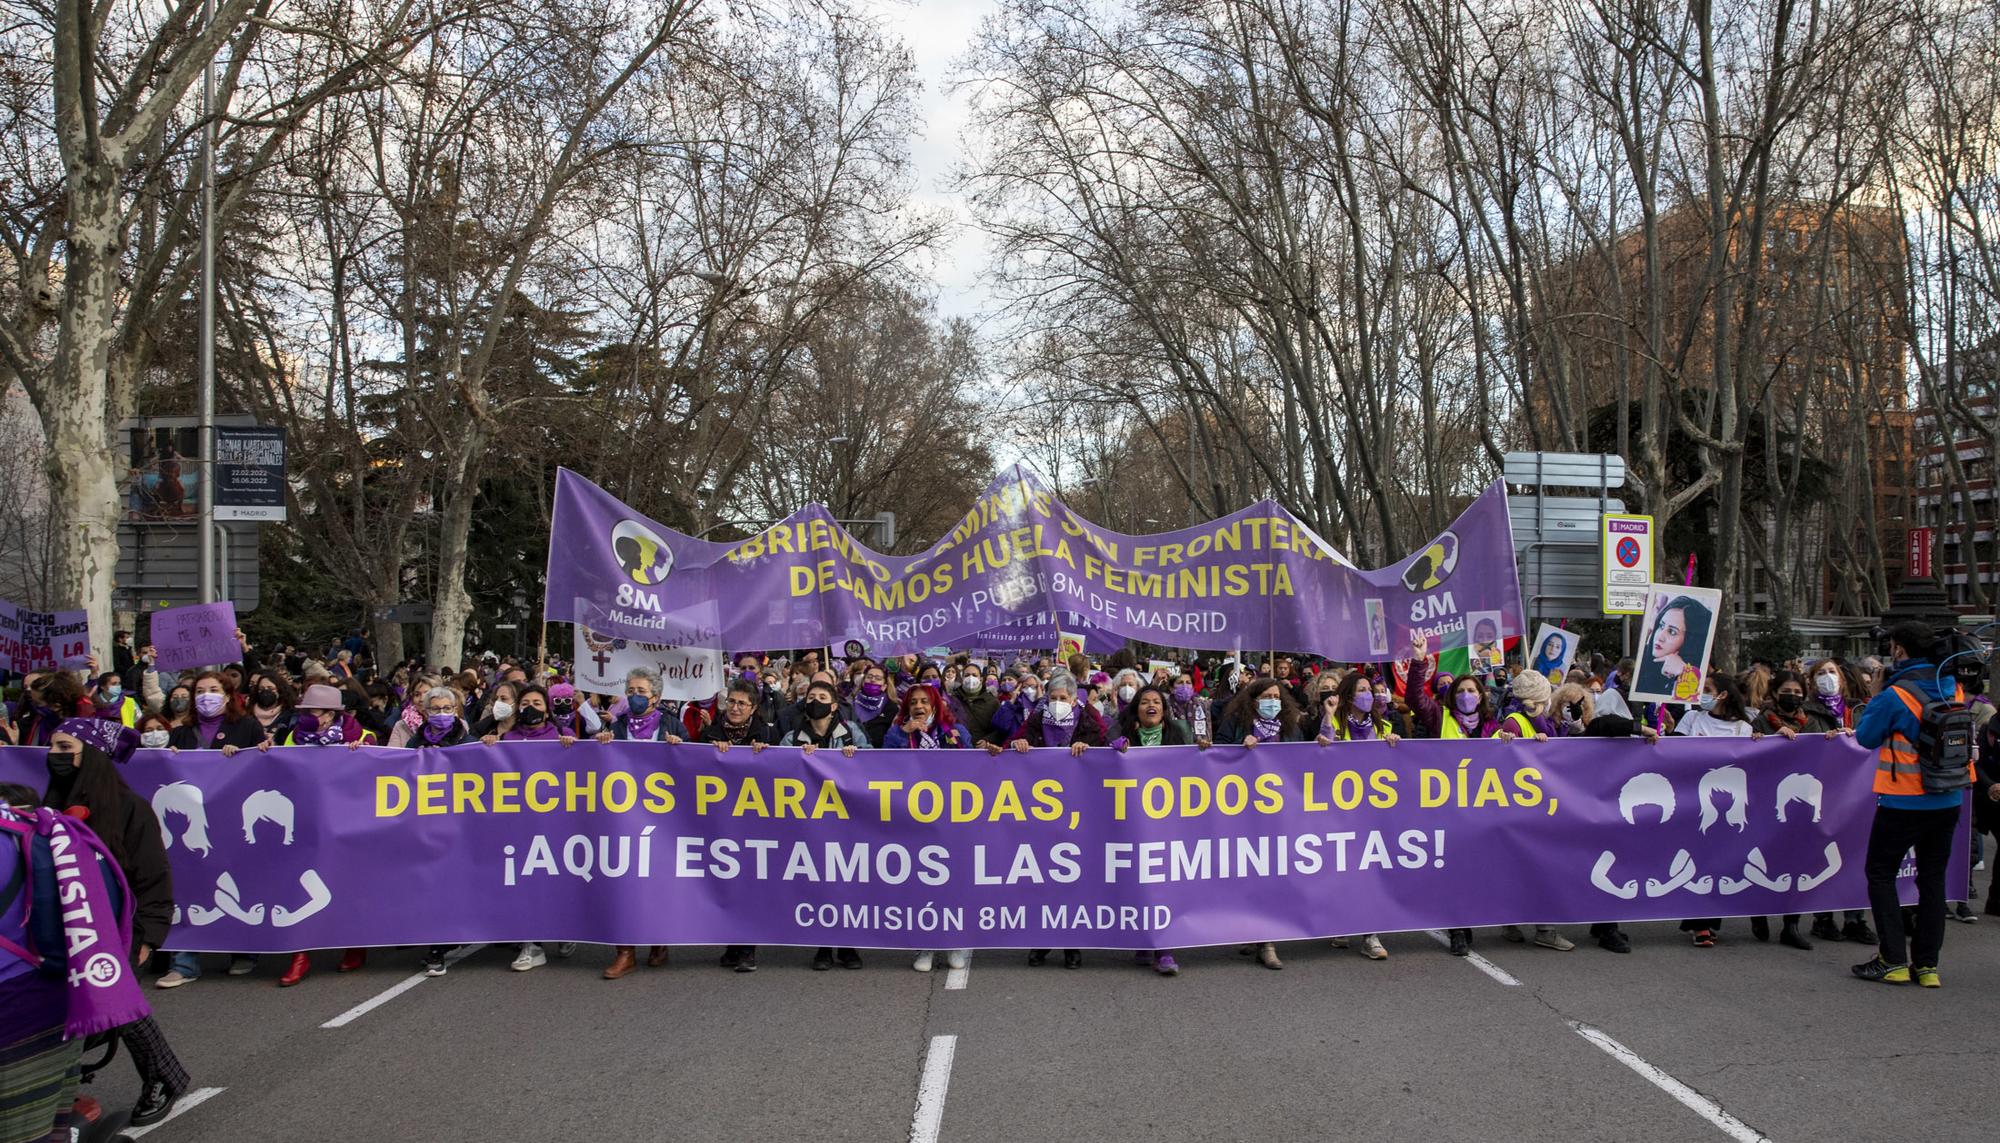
[[937, 32]]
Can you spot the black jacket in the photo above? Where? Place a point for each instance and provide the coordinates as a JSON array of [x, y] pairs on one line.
[[243, 734], [129, 825]]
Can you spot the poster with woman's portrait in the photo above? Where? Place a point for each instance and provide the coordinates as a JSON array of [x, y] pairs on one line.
[[1378, 628], [1555, 650], [1487, 648], [1675, 641]]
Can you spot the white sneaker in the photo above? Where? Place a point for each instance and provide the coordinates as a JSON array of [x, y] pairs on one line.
[[530, 956], [565, 950], [174, 980], [957, 958], [923, 961], [1371, 946]]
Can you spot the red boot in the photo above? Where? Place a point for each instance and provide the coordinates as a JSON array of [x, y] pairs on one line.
[[301, 964], [354, 959]]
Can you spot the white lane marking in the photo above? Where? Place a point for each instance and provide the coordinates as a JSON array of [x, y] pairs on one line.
[[955, 980], [188, 1102], [1688, 1097], [384, 997], [929, 1118], [1479, 962]]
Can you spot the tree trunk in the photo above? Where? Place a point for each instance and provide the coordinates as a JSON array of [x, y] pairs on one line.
[[454, 606], [73, 401]]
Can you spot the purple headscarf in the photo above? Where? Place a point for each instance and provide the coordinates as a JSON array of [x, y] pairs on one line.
[[116, 741]]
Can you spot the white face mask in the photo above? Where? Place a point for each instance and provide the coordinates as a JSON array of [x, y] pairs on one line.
[[970, 683], [153, 738], [1059, 710], [1827, 683], [502, 711], [1031, 693], [1126, 692]]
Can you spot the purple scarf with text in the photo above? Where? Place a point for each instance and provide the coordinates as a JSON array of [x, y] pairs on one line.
[[102, 990]]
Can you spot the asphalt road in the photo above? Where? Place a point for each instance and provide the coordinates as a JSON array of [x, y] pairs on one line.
[[1744, 1040]]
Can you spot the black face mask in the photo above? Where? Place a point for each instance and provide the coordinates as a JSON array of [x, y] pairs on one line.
[[267, 697], [564, 709], [1790, 703], [817, 709], [530, 716], [62, 763]]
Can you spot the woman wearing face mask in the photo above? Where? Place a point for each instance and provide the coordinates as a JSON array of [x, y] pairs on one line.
[[271, 704], [1261, 711], [111, 703], [1061, 722], [1009, 711], [974, 706], [739, 724], [503, 702], [1528, 717], [1719, 713], [924, 723], [872, 707], [570, 717], [178, 704], [84, 783], [218, 720], [1353, 713], [531, 721], [820, 726], [644, 720], [155, 733], [1148, 721], [443, 720], [1576, 711], [1789, 713], [1123, 687], [322, 721]]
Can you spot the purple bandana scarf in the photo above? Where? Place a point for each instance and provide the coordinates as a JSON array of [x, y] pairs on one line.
[[103, 993], [1360, 730], [1267, 729], [333, 734], [645, 726], [866, 708]]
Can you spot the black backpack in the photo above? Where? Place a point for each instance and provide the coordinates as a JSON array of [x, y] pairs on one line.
[[1945, 734]]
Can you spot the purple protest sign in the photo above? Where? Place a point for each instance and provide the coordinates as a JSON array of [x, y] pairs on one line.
[[1256, 578], [645, 843], [203, 635], [33, 640]]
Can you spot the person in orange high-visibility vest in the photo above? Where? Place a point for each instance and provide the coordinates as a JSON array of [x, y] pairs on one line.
[[1906, 816]]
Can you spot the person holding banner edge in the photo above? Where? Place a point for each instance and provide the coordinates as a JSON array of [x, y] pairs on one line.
[[1908, 813]]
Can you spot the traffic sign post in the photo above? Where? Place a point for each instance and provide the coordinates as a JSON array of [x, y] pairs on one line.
[[1627, 555]]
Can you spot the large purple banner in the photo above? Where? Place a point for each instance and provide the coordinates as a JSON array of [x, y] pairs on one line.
[[644, 843], [1259, 578]]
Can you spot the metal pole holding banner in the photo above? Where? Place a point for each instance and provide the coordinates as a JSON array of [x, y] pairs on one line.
[[205, 402]]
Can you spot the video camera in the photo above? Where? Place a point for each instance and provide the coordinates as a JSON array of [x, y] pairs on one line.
[[1962, 656]]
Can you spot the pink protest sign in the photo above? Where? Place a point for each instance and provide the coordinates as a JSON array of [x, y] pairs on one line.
[[200, 636]]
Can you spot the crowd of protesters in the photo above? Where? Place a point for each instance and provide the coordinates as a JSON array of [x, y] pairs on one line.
[[336, 695]]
